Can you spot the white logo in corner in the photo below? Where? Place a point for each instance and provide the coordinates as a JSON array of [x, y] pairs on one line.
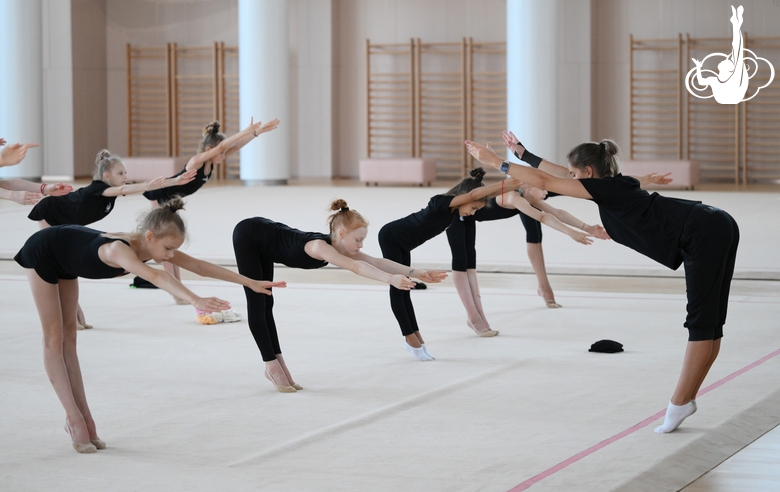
[[730, 84]]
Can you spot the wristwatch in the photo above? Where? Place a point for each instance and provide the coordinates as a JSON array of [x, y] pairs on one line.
[[504, 168]]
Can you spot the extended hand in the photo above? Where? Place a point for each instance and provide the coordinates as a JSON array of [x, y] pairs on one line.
[[25, 197], [156, 183], [581, 237], [58, 189], [186, 177], [211, 304], [271, 125], [513, 143], [264, 286], [660, 179], [13, 154], [432, 276], [597, 231], [483, 154], [402, 282]]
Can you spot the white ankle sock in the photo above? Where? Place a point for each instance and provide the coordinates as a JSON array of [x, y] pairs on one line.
[[425, 349], [695, 407], [418, 353], [675, 416]]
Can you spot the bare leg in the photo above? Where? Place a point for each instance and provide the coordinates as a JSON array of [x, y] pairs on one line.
[[699, 357], [69, 299], [466, 294], [475, 295], [536, 257], [47, 301]]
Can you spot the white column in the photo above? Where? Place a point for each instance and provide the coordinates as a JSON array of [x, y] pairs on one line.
[[21, 86], [264, 78], [532, 74]]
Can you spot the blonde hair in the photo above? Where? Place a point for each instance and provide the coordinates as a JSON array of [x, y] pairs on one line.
[[164, 221], [104, 163], [344, 217], [601, 157], [211, 136]]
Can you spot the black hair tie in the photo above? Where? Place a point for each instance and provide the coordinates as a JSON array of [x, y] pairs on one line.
[[345, 209]]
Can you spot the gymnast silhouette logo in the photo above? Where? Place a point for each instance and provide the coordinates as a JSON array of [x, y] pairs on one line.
[[730, 84]]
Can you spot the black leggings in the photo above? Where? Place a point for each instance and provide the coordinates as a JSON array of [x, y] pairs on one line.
[[709, 249], [254, 264], [462, 234], [400, 300]]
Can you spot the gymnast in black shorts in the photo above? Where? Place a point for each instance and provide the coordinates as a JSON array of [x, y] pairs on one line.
[[56, 256], [398, 238], [260, 242], [94, 202], [214, 149], [462, 237], [668, 230]]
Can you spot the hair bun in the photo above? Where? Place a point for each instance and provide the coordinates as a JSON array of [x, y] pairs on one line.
[[103, 154], [174, 204], [338, 204], [211, 129], [610, 147], [477, 173]]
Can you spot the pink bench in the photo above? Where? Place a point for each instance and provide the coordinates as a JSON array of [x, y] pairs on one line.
[[412, 170], [146, 168], [685, 174]]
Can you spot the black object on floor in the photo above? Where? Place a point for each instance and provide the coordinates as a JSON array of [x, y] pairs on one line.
[[419, 286], [606, 346], [140, 283]]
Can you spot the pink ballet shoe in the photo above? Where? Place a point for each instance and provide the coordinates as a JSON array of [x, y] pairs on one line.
[[279, 388], [485, 333]]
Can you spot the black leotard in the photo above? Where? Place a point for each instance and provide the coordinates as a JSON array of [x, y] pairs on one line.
[[67, 252], [81, 207], [164, 194], [414, 229], [258, 244]]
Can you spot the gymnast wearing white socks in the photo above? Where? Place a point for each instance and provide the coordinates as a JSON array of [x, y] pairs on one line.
[[398, 238], [668, 230], [260, 242]]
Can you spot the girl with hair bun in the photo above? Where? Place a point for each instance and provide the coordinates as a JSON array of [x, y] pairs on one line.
[[57, 256], [668, 230], [215, 148], [94, 202], [398, 238], [259, 243]]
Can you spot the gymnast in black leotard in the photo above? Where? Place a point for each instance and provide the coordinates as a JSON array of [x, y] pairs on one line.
[[214, 149], [260, 242], [56, 256], [94, 202], [462, 236], [398, 238]]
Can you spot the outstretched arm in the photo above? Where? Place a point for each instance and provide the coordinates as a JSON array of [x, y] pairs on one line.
[[654, 179], [152, 184], [514, 200], [29, 193], [199, 160], [271, 125], [321, 250], [488, 191], [206, 269], [528, 175], [512, 143], [120, 255], [595, 230], [393, 268], [13, 154]]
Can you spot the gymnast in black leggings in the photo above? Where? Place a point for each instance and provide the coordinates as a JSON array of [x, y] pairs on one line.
[[259, 243], [398, 238], [462, 237], [668, 230]]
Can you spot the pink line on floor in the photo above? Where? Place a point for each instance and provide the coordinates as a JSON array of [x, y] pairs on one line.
[[582, 454]]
